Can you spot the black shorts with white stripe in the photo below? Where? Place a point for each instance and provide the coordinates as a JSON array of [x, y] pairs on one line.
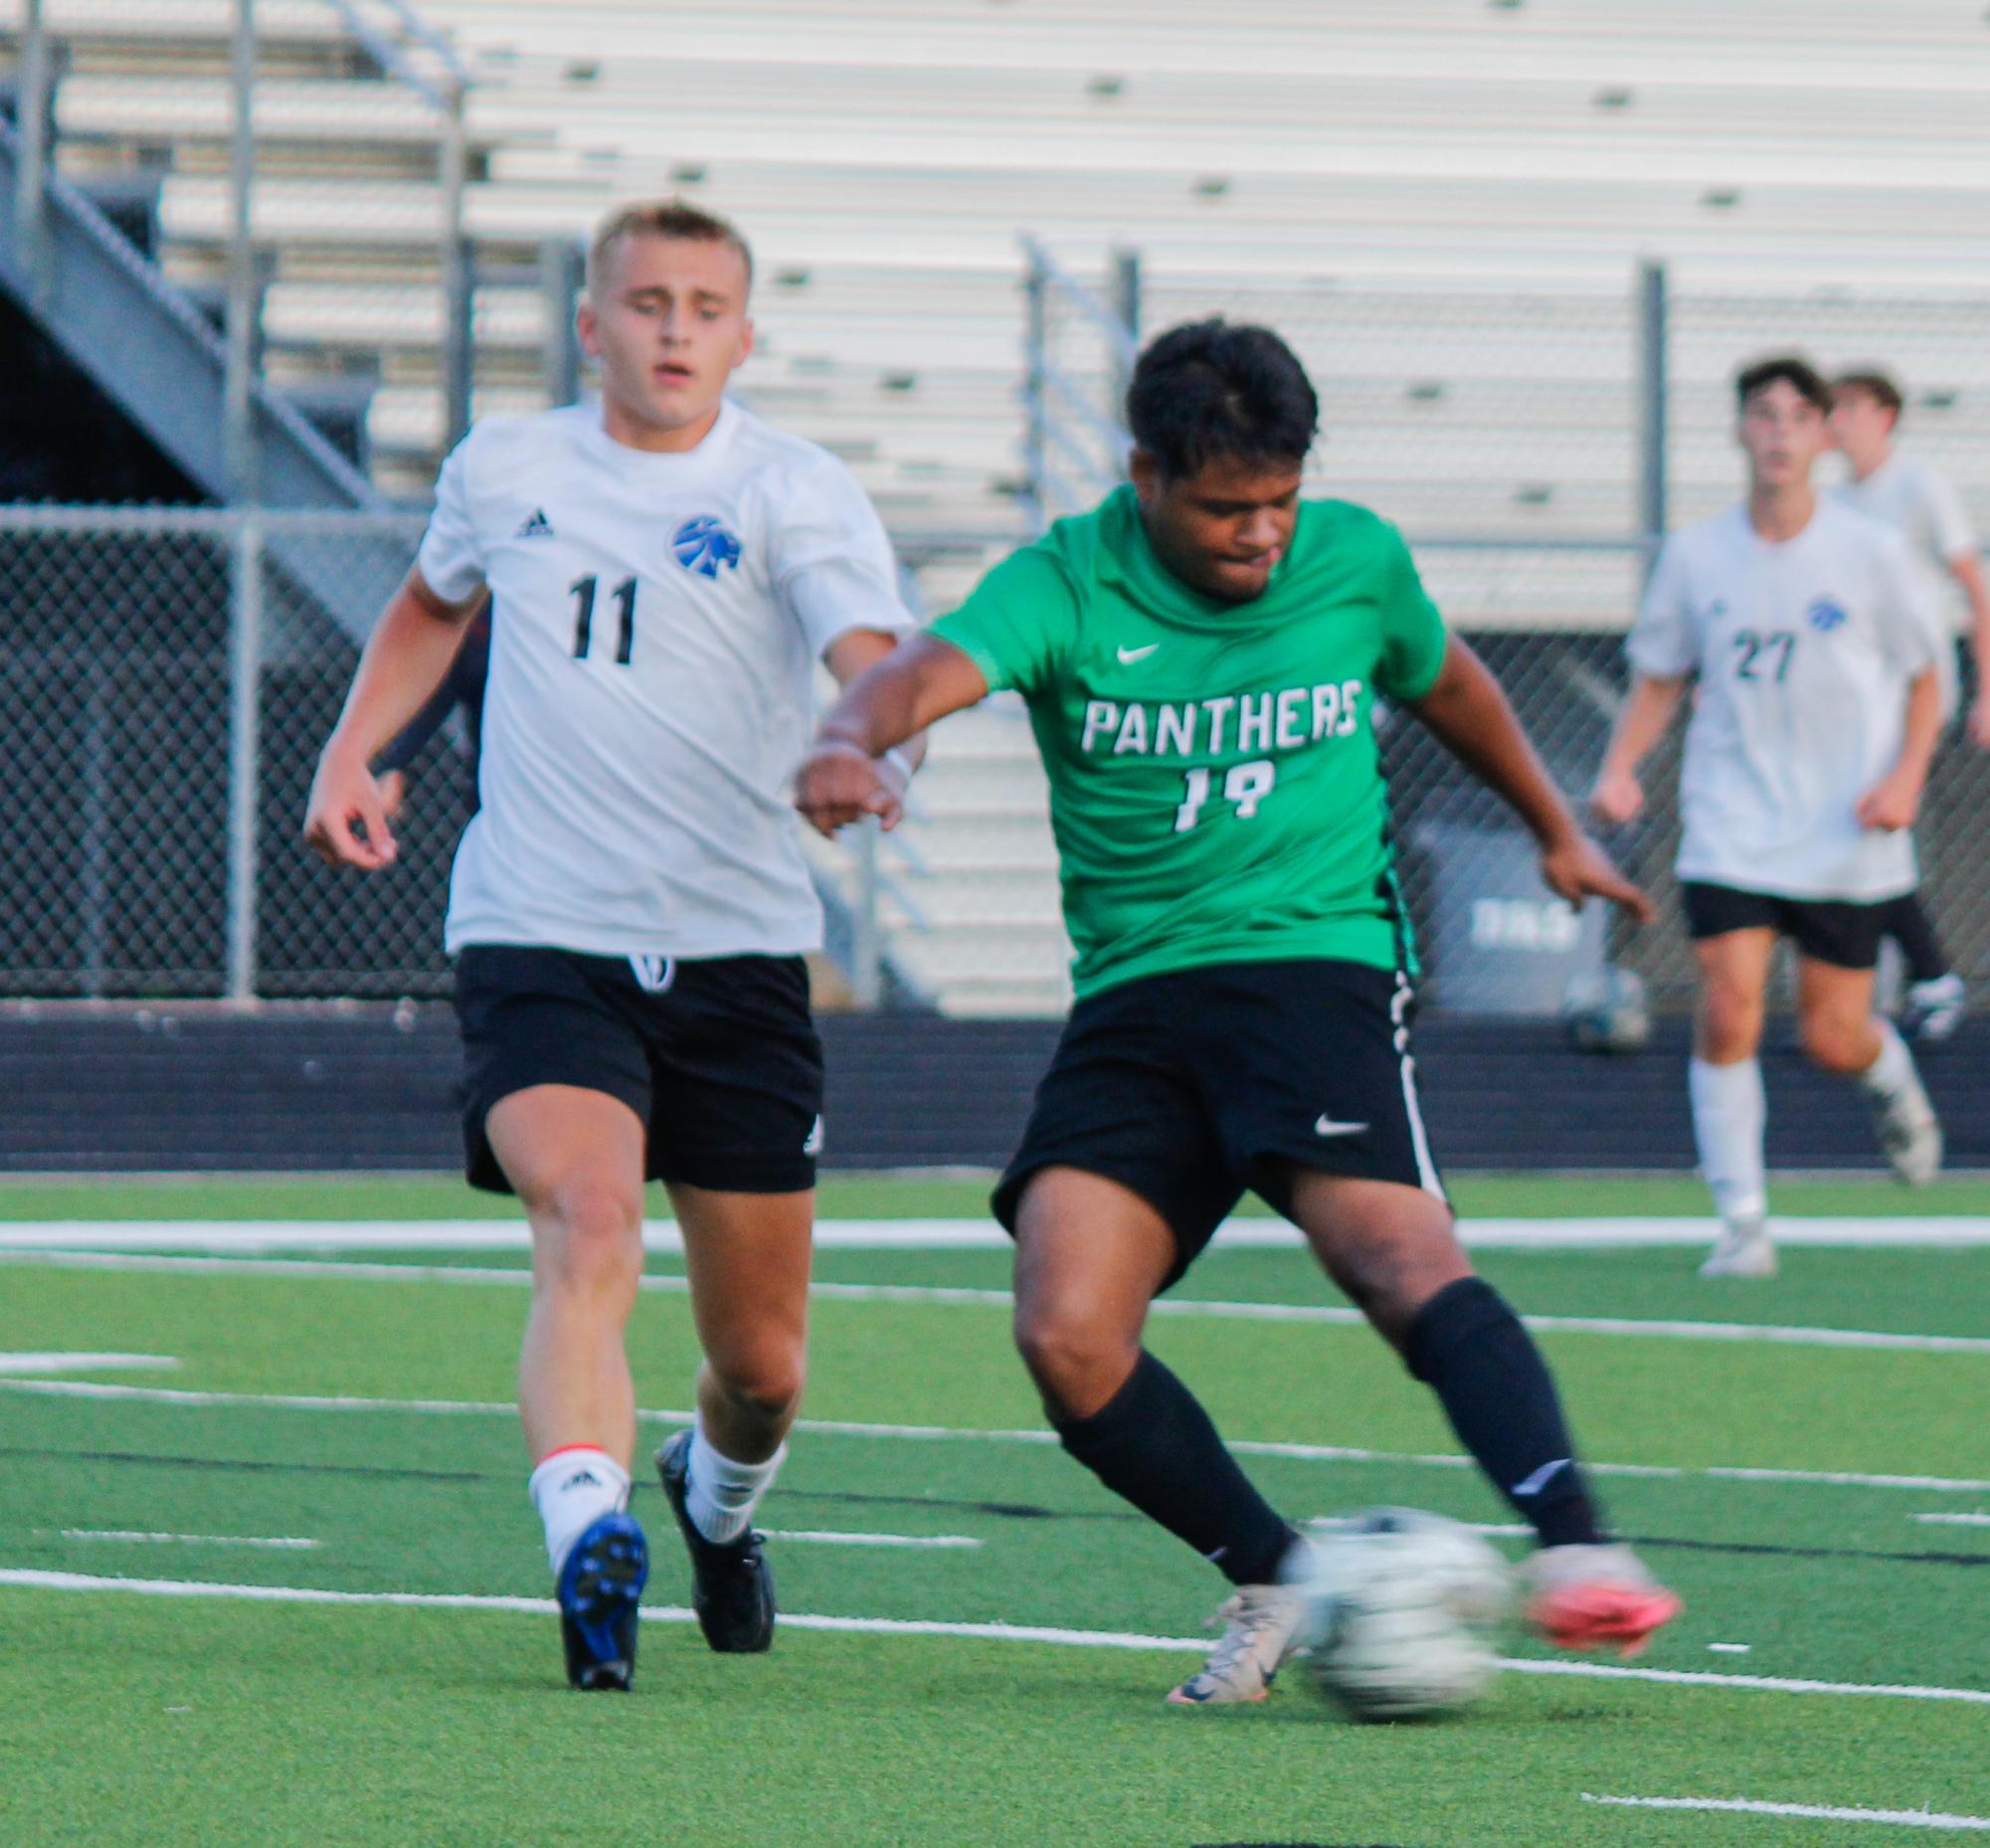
[[1194, 1086]]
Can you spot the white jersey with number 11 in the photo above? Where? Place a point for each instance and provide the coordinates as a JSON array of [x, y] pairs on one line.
[[657, 622]]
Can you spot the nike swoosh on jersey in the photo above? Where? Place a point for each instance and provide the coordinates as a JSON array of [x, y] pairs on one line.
[[1129, 655], [1325, 1126]]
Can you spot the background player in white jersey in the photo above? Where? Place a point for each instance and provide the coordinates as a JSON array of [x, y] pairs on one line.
[[1816, 714], [1920, 504], [629, 904]]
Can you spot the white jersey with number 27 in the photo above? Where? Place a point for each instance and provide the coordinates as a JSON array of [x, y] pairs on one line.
[[1805, 651], [656, 621]]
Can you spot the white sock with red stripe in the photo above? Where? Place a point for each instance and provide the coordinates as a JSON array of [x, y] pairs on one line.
[[572, 1487]]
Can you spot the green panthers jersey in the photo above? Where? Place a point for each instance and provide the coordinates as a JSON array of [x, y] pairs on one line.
[[1216, 789]]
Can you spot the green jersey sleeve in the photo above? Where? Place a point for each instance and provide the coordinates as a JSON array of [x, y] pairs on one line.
[[1017, 623], [1413, 638]]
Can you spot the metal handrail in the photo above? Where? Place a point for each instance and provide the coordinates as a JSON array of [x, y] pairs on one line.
[[389, 54], [1124, 348]]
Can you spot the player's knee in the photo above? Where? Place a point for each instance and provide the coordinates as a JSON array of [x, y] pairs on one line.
[[1070, 1354], [764, 1380], [590, 1236], [1835, 1044], [1730, 1026]]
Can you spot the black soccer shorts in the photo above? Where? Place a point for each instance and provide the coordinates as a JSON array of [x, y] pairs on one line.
[[1836, 931], [717, 1055], [1193, 1087]]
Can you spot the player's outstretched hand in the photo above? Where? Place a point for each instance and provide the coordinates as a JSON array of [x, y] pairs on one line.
[[1577, 869], [1892, 804], [1618, 797], [839, 782], [345, 821]]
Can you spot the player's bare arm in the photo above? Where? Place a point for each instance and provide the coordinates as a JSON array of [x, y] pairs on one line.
[[346, 820], [1894, 801], [1617, 796], [1966, 568], [1469, 714], [891, 702]]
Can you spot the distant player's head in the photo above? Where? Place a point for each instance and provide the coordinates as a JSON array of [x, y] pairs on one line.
[[666, 313], [1784, 410], [1221, 418], [1867, 406]]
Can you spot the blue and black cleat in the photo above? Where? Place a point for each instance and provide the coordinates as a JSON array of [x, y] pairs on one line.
[[732, 1586], [599, 1588]]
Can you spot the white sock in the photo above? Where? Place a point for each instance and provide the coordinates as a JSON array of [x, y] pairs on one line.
[[721, 1495], [1892, 1074], [1729, 1115], [573, 1488]]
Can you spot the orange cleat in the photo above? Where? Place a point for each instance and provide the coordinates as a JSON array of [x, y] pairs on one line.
[[1584, 1597]]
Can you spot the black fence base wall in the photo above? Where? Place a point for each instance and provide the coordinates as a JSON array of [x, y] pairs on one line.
[[376, 1088]]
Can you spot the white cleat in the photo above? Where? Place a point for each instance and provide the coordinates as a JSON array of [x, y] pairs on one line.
[[1910, 1134], [1263, 1631], [1744, 1250]]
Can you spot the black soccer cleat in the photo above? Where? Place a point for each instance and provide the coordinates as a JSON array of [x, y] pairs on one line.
[[599, 1589], [732, 1584]]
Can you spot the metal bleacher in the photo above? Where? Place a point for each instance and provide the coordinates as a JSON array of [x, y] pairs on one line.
[[1444, 201]]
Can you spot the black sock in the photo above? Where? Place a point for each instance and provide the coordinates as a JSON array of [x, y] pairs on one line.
[[1471, 1348], [1154, 1444], [1909, 925]]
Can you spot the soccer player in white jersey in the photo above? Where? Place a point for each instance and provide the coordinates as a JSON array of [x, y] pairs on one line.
[[1920, 504], [1815, 714], [629, 905]]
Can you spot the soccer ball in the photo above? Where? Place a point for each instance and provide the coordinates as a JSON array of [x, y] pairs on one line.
[[1605, 1010], [1402, 1611]]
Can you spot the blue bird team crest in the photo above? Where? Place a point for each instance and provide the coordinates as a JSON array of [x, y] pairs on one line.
[[703, 544], [1825, 615]]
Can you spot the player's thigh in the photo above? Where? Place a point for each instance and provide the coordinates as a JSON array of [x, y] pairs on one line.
[[748, 1258], [1834, 1017], [736, 1069], [1734, 937], [1389, 1246], [557, 1082], [574, 1158], [1123, 1144], [1091, 1254]]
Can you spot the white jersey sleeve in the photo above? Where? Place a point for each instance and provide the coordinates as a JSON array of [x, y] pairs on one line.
[[1912, 636], [1948, 524], [831, 563], [451, 559], [1664, 642]]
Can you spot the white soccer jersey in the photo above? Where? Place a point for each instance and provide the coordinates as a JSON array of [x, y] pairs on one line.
[[1919, 504], [1804, 651], [656, 619]]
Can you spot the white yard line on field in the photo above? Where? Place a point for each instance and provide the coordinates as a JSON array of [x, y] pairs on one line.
[[15, 1365], [901, 1626], [1975, 1520], [822, 1538], [1812, 1812], [281, 1542], [517, 1277], [1593, 1233], [934, 1433]]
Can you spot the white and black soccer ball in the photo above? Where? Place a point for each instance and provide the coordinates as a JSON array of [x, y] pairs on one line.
[[1605, 1010], [1402, 1612]]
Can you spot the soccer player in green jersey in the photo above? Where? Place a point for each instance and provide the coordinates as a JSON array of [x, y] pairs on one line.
[[1200, 656]]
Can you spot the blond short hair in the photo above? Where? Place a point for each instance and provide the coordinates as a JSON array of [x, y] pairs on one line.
[[661, 218]]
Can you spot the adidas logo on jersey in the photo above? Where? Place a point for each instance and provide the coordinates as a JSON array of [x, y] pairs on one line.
[[537, 528]]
